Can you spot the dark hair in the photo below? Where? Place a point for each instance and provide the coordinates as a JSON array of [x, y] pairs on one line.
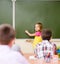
[[40, 25], [7, 33], [46, 34]]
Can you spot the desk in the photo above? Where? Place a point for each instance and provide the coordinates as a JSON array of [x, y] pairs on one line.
[[40, 61]]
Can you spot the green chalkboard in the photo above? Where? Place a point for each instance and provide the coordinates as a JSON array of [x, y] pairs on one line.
[[29, 12], [5, 11]]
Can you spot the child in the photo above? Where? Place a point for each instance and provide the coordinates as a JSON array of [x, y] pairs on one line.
[[45, 48], [7, 39], [37, 34]]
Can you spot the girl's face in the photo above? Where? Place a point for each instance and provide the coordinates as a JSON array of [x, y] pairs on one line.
[[37, 27]]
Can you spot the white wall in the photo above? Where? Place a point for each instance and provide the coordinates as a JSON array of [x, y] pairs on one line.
[[27, 47]]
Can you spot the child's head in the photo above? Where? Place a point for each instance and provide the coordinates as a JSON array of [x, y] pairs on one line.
[[46, 34], [7, 34], [38, 27]]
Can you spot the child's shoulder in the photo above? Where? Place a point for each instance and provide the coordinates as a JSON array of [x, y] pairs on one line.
[[16, 47], [53, 43]]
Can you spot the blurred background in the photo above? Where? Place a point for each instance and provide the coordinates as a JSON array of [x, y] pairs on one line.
[[29, 12]]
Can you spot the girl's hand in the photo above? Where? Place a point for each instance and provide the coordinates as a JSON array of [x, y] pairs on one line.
[[26, 31]]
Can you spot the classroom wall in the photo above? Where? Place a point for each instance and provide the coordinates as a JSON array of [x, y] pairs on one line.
[[29, 12]]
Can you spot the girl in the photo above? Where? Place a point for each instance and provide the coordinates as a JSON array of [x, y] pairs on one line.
[[37, 34]]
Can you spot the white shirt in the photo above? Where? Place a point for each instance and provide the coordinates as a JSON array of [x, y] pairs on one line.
[[8, 56], [16, 48]]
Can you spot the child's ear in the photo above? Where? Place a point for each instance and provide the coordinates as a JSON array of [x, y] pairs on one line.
[[12, 42], [50, 38]]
